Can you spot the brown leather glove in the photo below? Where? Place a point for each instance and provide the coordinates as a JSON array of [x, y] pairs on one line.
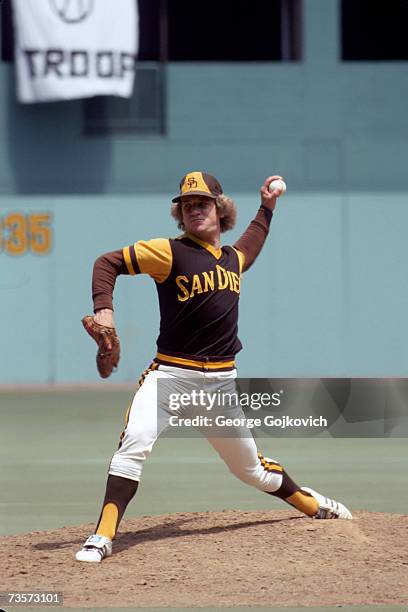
[[107, 357]]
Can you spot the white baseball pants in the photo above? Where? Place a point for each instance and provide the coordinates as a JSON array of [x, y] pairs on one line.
[[149, 416]]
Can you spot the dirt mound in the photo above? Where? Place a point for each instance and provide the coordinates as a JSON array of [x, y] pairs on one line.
[[220, 559]]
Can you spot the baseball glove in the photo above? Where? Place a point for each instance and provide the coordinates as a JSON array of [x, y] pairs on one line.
[[107, 357]]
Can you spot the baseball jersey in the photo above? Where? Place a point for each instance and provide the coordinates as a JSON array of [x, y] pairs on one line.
[[198, 288]]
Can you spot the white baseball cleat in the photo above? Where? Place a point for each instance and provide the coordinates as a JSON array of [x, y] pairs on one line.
[[328, 508], [95, 549]]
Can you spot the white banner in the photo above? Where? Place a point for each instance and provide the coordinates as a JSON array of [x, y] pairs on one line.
[[69, 49]]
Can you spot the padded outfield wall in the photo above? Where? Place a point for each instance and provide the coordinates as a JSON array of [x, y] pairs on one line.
[[327, 297]]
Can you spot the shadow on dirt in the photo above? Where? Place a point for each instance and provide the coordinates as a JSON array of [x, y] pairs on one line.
[[169, 529]]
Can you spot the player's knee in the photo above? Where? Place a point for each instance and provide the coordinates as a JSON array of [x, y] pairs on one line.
[[124, 467], [129, 459]]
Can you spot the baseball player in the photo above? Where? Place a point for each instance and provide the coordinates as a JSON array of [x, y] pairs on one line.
[[198, 285]]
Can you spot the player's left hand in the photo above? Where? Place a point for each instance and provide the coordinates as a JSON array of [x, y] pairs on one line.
[[268, 198]]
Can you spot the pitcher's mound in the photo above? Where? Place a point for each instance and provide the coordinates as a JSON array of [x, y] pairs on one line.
[[218, 559]]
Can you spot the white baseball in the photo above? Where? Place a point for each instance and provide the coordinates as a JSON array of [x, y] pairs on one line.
[[278, 184]]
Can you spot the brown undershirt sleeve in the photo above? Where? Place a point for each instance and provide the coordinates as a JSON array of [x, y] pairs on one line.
[[252, 240], [106, 268]]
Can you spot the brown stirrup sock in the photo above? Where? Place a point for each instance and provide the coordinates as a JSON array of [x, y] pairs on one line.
[[119, 492], [290, 492]]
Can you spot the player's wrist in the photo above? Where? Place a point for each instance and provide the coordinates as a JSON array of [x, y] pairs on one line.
[[104, 316], [269, 203]]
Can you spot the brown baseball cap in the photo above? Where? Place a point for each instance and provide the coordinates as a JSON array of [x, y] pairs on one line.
[[199, 183]]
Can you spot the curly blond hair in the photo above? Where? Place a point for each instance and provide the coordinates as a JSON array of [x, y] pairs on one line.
[[227, 211]]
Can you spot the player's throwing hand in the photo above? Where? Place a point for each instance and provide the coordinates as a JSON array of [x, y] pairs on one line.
[[269, 197]]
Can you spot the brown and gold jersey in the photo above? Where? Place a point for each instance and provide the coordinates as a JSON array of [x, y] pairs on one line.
[[198, 288]]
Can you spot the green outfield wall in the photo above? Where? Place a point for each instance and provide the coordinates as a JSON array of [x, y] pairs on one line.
[[327, 296]]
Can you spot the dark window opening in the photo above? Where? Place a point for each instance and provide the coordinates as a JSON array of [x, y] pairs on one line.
[[7, 33], [233, 31], [149, 29], [374, 31], [224, 31]]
